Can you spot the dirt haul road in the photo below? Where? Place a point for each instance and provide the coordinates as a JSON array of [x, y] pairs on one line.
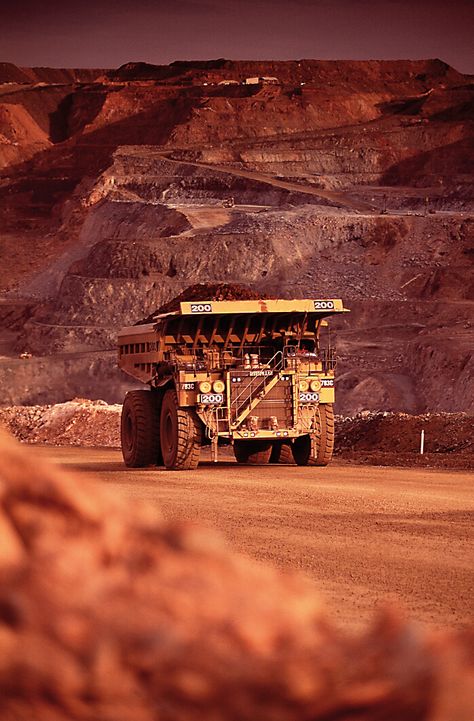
[[364, 534]]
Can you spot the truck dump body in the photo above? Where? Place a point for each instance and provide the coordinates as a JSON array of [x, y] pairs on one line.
[[249, 369]]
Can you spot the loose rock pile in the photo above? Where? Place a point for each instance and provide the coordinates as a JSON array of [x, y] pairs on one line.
[[394, 439], [79, 422], [107, 612], [372, 438]]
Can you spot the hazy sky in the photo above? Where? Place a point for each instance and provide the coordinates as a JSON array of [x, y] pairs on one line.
[[108, 33]]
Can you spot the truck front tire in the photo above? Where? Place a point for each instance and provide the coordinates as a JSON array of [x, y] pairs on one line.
[[316, 449], [180, 435], [140, 424]]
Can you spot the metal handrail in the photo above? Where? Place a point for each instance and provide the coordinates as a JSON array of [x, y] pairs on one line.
[[276, 367], [244, 389], [253, 399], [255, 391], [328, 359], [234, 402]]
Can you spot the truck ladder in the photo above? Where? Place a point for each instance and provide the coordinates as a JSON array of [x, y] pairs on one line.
[[247, 393], [256, 395]]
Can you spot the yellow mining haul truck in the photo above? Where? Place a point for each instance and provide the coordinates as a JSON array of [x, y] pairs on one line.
[[248, 372]]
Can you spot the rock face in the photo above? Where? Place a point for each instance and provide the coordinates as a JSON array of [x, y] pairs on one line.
[[345, 179], [106, 611], [20, 135]]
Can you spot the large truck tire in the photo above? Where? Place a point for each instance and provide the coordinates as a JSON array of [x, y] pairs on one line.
[[180, 435], [317, 449], [325, 445], [253, 452], [140, 429], [281, 453]]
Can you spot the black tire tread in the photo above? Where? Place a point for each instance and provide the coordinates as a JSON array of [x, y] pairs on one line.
[[282, 453], [145, 409], [252, 452], [317, 449], [189, 436], [325, 445]]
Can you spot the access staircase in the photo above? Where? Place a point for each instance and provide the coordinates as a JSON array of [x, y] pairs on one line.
[[253, 393]]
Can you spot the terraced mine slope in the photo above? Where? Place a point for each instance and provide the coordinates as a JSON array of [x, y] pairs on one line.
[[118, 189]]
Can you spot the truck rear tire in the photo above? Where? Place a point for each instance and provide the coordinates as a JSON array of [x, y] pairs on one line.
[[180, 435], [253, 452], [140, 429], [317, 449], [281, 453]]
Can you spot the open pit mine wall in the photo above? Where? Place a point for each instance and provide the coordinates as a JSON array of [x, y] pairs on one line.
[[339, 123], [12, 74], [150, 226]]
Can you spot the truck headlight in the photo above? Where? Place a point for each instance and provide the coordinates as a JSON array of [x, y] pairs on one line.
[[205, 386], [304, 385], [218, 386], [315, 385]]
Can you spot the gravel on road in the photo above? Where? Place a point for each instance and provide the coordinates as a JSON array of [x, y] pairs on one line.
[[364, 534]]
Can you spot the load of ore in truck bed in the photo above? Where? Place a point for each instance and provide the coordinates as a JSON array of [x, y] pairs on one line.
[[206, 291]]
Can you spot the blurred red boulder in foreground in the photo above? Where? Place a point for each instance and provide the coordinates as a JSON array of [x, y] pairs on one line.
[[108, 613]]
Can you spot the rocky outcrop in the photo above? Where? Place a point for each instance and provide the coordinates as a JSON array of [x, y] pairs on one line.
[[20, 136]]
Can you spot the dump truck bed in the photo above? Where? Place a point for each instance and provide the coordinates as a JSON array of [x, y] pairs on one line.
[[233, 326], [321, 306]]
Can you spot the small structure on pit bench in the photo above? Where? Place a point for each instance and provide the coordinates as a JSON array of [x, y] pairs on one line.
[[262, 80]]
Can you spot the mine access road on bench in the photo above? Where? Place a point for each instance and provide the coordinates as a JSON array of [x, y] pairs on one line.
[[362, 533]]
